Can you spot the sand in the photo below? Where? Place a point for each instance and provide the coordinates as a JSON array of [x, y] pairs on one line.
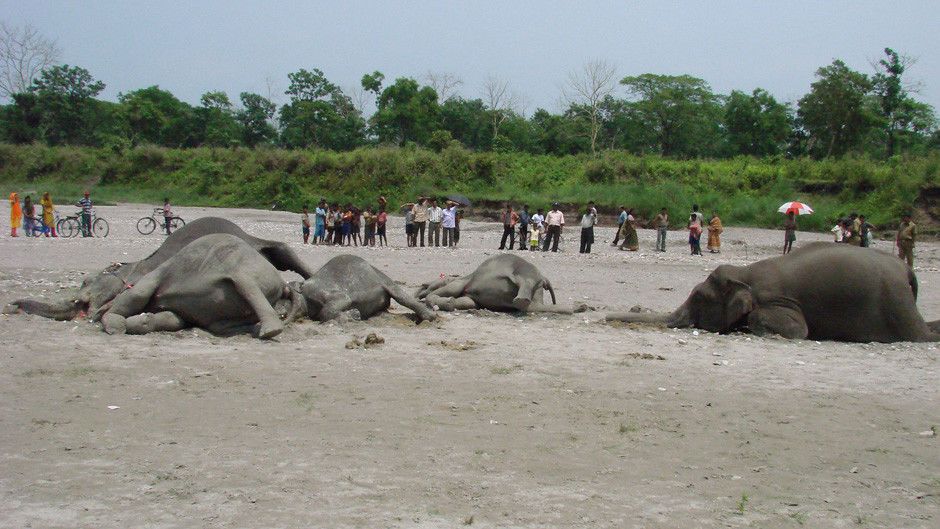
[[479, 419]]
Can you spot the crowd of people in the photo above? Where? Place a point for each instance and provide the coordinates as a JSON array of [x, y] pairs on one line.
[[42, 220], [857, 231]]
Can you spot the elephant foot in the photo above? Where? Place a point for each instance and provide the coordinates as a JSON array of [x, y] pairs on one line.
[[11, 308], [268, 330], [114, 324], [521, 303]]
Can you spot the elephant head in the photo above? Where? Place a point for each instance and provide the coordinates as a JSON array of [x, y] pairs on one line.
[[721, 303], [95, 292]]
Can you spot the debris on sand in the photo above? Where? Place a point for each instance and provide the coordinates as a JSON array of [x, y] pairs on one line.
[[373, 340], [456, 346], [355, 343], [646, 356]]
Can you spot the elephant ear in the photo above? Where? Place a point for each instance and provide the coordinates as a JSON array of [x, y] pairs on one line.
[[740, 300]]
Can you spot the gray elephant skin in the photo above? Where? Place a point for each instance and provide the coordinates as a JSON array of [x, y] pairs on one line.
[[348, 282], [504, 283], [101, 288], [218, 282], [822, 291]]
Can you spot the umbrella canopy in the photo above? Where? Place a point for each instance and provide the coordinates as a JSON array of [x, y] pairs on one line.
[[459, 199], [798, 208], [406, 206]]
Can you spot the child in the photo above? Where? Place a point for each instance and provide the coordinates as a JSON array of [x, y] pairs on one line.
[[369, 220], [305, 225], [410, 227], [535, 238], [695, 234], [355, 223], [329, 219], [29, 216], [16, 214], [167, 214], [337, 226], [380, 222], [346, 226]]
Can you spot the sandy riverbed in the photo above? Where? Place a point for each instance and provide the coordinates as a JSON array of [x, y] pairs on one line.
[[486, 419]]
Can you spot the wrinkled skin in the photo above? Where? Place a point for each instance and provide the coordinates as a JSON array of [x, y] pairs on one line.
[[104, 286], [822, 291], [504, 283], [218, 282], [348, 282]]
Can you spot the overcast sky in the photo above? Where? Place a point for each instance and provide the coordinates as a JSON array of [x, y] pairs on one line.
[[193, 47]]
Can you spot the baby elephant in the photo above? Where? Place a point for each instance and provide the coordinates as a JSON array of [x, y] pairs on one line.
[[218, 282], [504, 282], [348, 282]]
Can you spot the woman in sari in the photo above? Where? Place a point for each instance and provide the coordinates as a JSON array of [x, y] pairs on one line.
[[628, 233], [695, 234], [48, 213], [16, 214], [714, 234]]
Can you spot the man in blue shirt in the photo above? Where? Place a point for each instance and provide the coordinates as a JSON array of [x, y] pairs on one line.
[[85, 204], [524, 219], [620, 220]]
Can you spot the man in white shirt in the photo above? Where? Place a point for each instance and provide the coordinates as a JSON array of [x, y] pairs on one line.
[[449, 222], [435, 215], [556, 221]]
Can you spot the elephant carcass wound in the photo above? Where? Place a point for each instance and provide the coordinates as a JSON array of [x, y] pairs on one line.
[[101, 288], [348, 282], [218, 282], [822, 291], [504, 282]]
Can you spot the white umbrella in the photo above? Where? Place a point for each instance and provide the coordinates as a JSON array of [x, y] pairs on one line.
[[796, 207]]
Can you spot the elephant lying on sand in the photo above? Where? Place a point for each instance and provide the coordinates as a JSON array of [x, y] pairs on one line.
[[218, 282], [504, 282], [822, 291], [348, 282], [104, 286]]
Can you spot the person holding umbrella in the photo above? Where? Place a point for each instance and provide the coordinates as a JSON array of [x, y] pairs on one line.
[[791, 210]]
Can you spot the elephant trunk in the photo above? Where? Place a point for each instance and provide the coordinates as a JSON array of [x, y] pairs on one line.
[[679, 318], [551, 291], [62, 310]]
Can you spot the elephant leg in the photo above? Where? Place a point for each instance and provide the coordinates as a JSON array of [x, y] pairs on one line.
[[283, 258], [406, 300], [427, 288], [269, 323], [129, 303], [298, 305], [526, 288], [451, 303], [150, 322], [453, 287], [787, 322]]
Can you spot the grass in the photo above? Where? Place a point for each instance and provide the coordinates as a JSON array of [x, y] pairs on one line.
[[744, 191], [742, 503], [627, 428]]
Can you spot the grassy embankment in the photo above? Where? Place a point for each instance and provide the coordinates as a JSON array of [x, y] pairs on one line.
[[745, 191]]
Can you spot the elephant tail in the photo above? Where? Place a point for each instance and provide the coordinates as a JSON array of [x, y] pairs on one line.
[[912, 280], [548, 287]]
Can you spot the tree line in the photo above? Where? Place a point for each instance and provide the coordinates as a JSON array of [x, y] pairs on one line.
[[680, 116]]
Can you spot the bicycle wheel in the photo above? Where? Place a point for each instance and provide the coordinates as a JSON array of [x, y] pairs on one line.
[[100, 228], [176, 223], [146, 225], [68, 227]]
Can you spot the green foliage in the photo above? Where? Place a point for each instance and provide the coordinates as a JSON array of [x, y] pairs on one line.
[[836, 112], [407, 112]]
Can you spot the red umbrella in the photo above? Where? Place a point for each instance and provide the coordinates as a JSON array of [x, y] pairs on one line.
[[797, 208]]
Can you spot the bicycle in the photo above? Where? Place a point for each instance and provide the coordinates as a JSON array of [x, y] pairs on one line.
[[41, 228], [71, 225], [146, 225]]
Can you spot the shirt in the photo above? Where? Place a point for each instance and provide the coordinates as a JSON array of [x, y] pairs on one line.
[[166, 211], [449, 217], [321, 216], [382, 218], [537, 220], [435, 213], [85, 203], [837, 233], [410, 217], [587, 220], [907, 232], [622, 218], [509, 218], [701, 218], [661, 221], [555, 218], [524, 217], [305, 220], [420, 212]]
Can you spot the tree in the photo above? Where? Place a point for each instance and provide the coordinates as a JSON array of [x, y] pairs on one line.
[[587, 89], [681, 112], [255, 117], [756, 124], [64, 97], [406, 112], [835, 113], [217, 122], [467, 121], [445, 84], [372, 82], [499, 101], [156, 116], [319, 114], [24, 53], [905, 121]]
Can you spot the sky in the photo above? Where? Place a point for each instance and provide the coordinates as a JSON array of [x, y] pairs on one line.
[[191, 47]]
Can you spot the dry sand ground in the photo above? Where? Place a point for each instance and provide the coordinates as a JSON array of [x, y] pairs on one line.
[[486, 419]]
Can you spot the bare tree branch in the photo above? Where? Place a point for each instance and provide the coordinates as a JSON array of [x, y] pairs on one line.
[[588, 87], [499, 100], [24, 53], [445, 84]]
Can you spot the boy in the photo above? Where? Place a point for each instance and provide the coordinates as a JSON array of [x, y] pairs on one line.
[[167, 214], [380, 222], [305, 224]]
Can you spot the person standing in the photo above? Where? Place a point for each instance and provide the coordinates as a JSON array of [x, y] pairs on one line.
[[789, 232], [449, 222], [695, 234], [457, 218], [435, 215], [421, 219], [48, 213], [714, 234], [337, 225], [330, 222], [86, 205], [698, 214], [631, 240], [368, 219], [907, 233], [410, 228], [319, 230], [588, 219], [555, 221], [837, 231], [854, 226], [509, 219], [16, 214], [305, 224], [866, 230], [380, 222], [661, 223], [524, 220], [167, 214], [620, 220], [29, 216]]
